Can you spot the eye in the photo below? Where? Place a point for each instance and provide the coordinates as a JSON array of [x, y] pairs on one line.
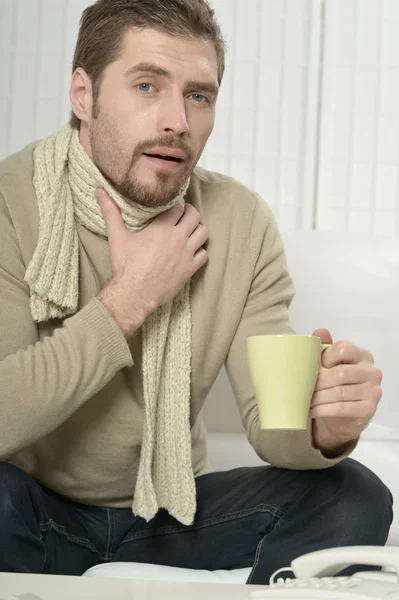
[[145, 87], [200, 99]]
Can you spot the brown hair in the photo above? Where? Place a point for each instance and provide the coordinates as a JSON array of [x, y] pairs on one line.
[[104, 23]]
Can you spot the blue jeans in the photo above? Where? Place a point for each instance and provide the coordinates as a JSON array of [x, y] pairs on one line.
[[260, 517]]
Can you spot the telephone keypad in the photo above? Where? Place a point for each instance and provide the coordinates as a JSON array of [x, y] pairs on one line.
[[331, 583]]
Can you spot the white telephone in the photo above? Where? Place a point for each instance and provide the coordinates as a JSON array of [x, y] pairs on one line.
[[315, 572]]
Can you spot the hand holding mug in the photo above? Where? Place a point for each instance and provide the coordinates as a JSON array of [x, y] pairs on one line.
[[296, 377], [346, 395]]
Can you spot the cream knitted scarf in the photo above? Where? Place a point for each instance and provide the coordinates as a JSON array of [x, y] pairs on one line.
[[65, 179]]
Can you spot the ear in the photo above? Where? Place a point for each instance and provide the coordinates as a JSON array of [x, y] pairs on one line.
[[81, 95]]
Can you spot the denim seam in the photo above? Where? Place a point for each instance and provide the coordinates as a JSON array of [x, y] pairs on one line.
[[60, 529], [109, 522], [45, 554], [114, 521], [256, 559], [207, 523], [257, 555]]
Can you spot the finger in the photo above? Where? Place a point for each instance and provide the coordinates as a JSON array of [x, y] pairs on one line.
[[200, 259], [111, 213], [342, 393], [189, 221], [345, 353], [171, 216], [346, 375], [324, 335], [198, 238], [362, 411]]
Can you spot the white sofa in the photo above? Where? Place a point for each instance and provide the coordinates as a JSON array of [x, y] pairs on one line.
[[348, 283]]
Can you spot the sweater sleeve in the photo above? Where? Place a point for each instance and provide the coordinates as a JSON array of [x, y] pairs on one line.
[[43, 382], [266, 312]]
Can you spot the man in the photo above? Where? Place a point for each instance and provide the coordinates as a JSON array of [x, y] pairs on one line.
[[127, 279]]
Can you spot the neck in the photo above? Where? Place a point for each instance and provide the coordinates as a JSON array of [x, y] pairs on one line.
[[85, 177], [84, 139]]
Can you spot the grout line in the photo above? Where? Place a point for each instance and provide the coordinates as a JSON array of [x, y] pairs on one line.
[[349, 178], [232, 95], [309, 127], [397, 195], [361, 209], [255, 116], [63, 65], [35, 99], [320, 77], [277, 203], [304, 127], [373, 191]]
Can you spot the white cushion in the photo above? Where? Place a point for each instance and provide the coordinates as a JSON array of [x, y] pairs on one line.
[[148, 572]]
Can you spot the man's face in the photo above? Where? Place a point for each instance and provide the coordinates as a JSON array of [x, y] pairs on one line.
[[157, 99]]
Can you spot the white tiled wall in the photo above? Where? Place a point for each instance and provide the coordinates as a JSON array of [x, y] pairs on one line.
[[265, 131], [37, 39], [311, 123], [359, 143]]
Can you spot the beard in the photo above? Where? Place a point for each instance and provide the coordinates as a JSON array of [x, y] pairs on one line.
[[121, 169]]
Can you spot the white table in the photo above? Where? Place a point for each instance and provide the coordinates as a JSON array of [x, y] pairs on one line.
[[16, 586]]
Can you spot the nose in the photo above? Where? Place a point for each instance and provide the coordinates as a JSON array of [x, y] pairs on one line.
[[172, 115]]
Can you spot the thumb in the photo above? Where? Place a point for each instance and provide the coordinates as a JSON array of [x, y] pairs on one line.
[[324, 335], [111, 213]]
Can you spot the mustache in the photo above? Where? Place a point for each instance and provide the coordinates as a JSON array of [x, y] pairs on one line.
[[165, 141]]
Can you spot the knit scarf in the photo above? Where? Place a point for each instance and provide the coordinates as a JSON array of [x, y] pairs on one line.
[[65, 179]]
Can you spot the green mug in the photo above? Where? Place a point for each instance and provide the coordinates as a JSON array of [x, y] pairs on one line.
[[284, 371]]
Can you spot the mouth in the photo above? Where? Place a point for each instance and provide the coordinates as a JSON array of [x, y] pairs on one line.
[[169, 163]]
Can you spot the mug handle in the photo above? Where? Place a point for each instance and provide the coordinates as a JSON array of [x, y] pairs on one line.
[[323, 347]]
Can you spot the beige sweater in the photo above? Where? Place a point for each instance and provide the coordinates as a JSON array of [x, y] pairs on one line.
[[71, 410]]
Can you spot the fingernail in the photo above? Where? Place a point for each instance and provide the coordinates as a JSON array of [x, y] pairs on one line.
[[100, 195]]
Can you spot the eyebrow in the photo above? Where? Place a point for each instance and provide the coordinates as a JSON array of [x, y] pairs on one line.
[[148, 67]]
